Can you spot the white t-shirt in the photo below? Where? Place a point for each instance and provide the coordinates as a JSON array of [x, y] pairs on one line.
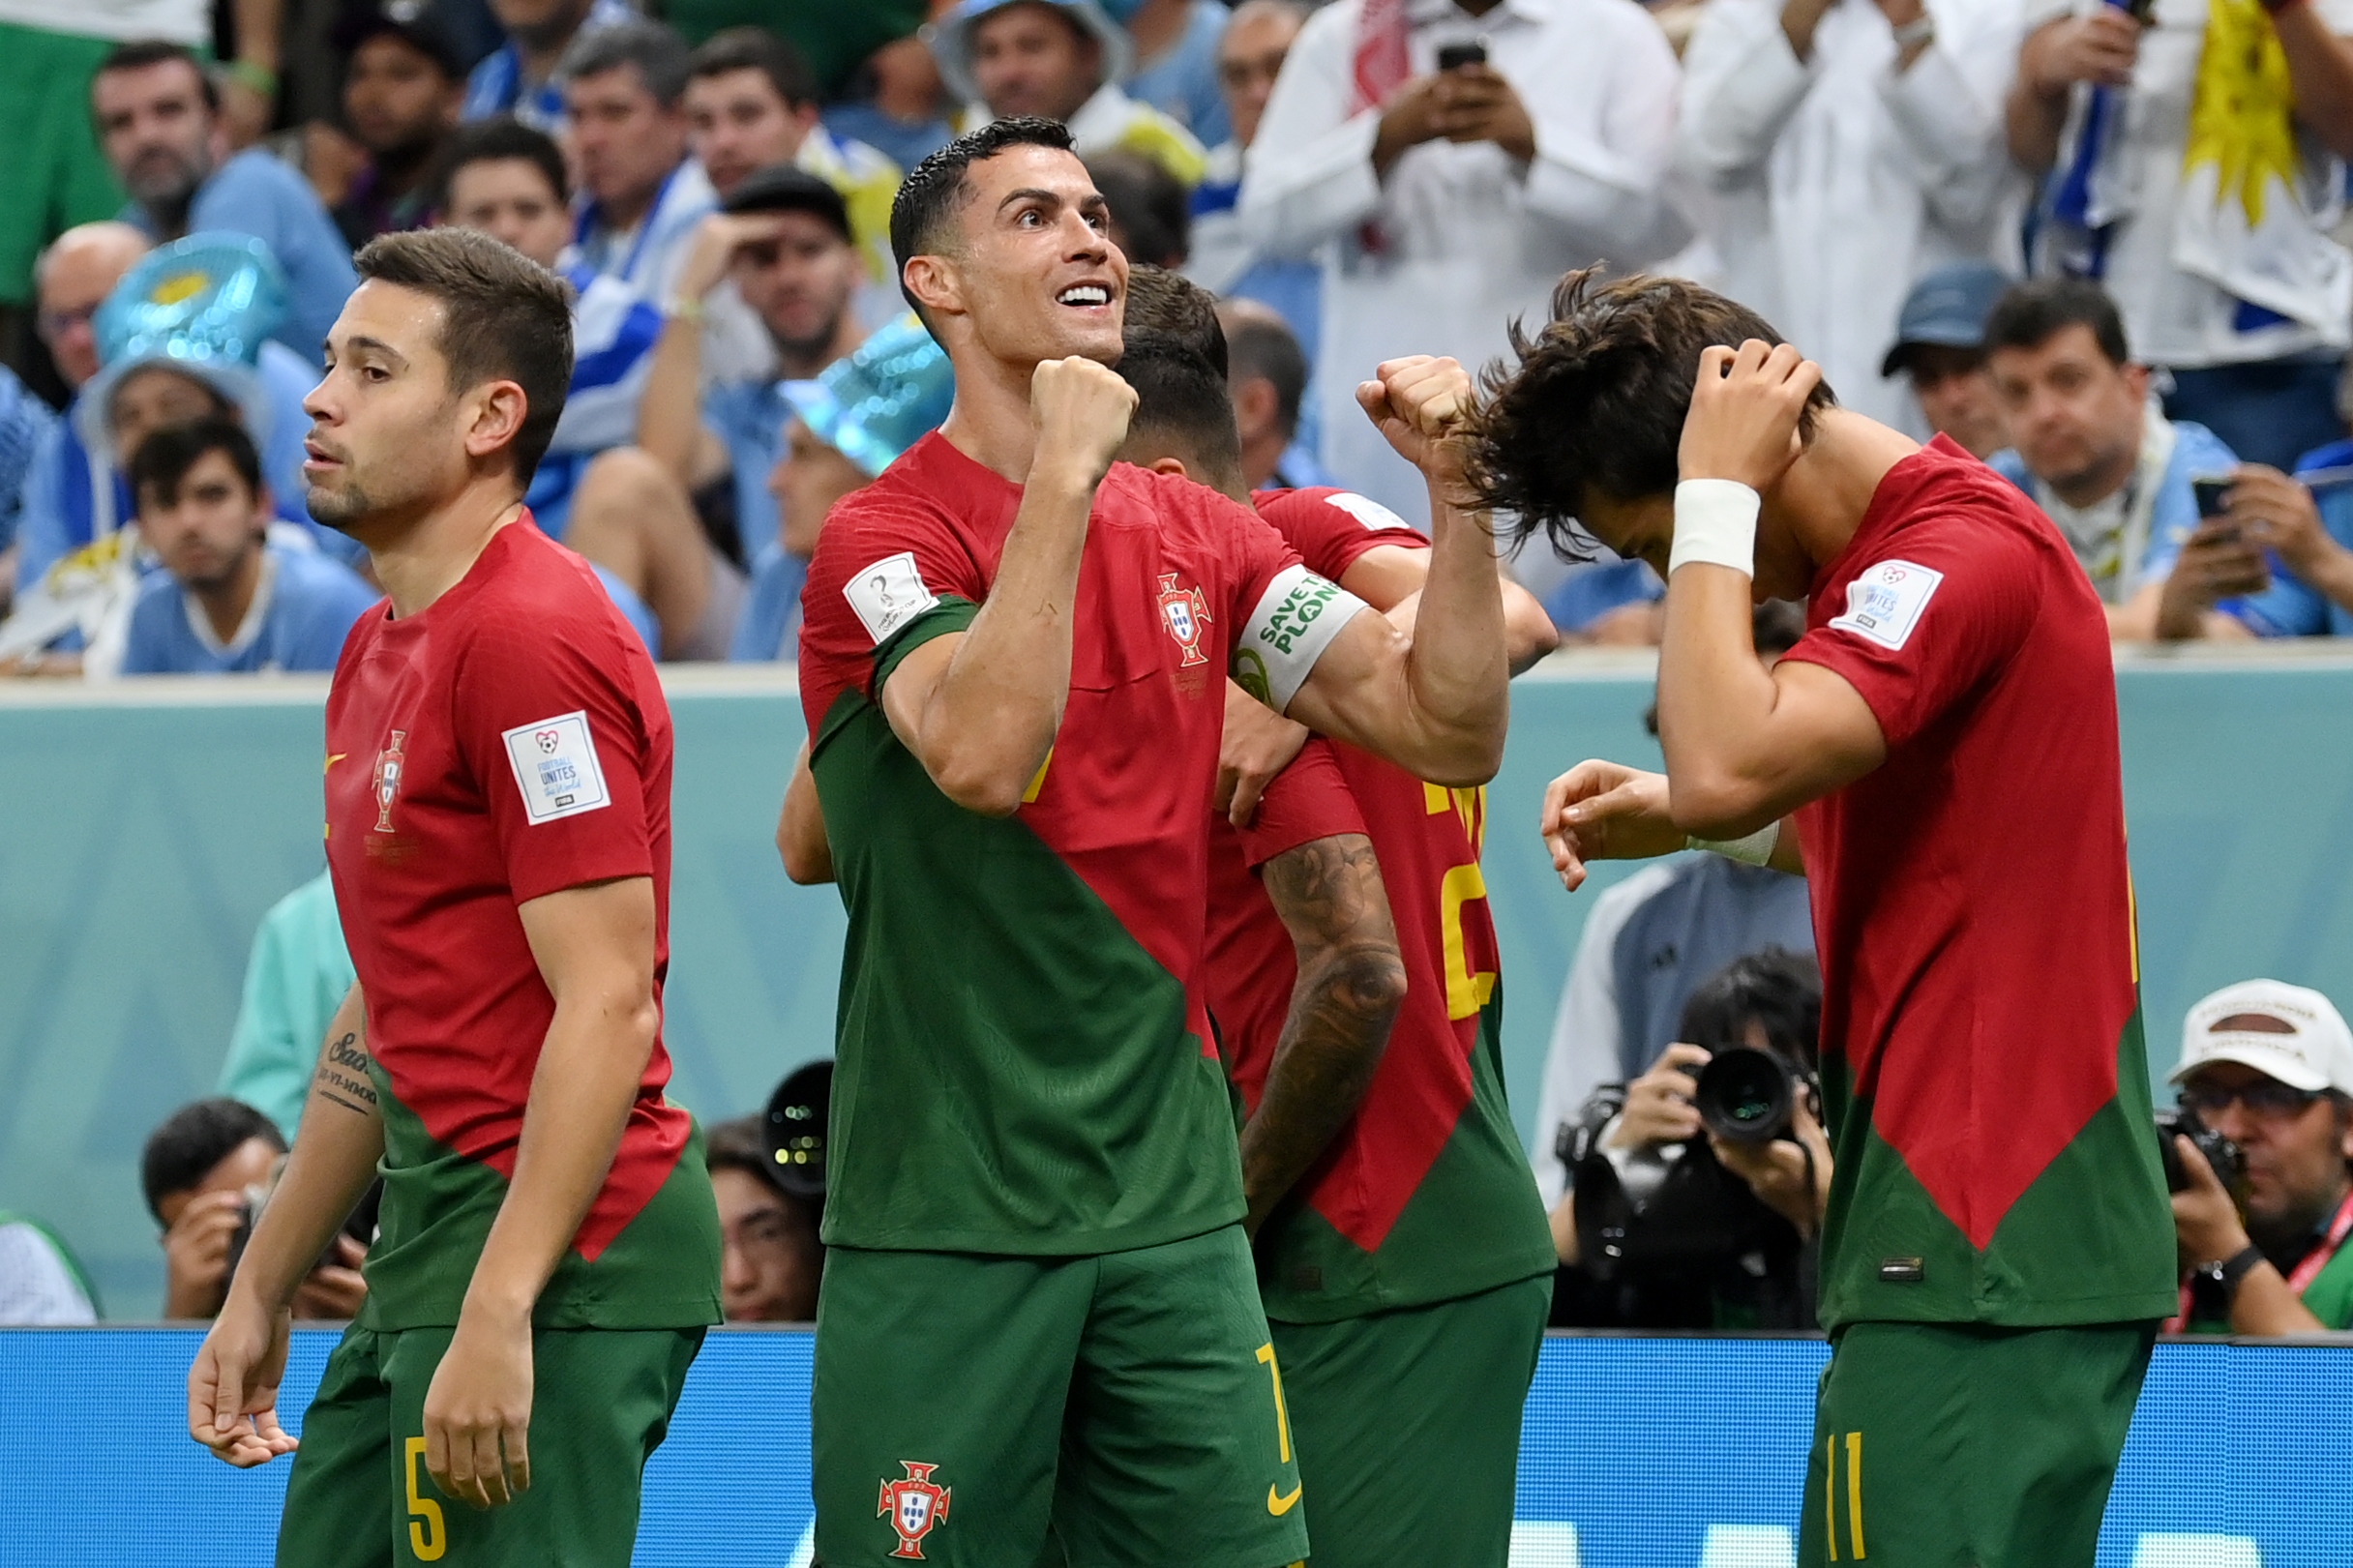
[[182, 21]]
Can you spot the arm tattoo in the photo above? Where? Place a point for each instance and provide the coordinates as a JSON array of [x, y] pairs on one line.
[[342, 1075], [1352, 981]]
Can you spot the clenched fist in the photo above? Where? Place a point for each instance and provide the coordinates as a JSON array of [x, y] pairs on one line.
[[1081, 411], [1420, 403]]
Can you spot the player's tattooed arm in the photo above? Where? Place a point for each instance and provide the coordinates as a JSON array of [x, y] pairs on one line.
[[343, 1073], [1352, 982]]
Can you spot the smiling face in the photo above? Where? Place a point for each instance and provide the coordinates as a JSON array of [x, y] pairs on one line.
[[738, 123], [388, 435], [1031, 273], [209, 527]]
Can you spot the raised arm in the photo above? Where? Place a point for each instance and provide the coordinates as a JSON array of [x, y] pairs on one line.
[[595, 946], [1352, 982], [670, 414], [1436, 704], [979, 707], [232, 1388], [2100, 47]]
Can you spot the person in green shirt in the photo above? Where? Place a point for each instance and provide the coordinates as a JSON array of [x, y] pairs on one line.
[[296, 978], [2270, 1067]]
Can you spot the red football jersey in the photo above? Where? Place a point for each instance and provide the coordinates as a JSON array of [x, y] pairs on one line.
[[1437, 1093], [509, 741]]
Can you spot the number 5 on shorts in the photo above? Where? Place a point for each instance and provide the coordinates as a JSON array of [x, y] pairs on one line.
[[428, 1531]]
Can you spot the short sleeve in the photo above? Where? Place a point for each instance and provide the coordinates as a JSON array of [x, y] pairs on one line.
[[1927, 617], [1307, 801], [889, 575], [1333, 529], [550, 724]]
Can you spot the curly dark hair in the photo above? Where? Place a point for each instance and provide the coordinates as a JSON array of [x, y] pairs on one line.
[[1597, 398]]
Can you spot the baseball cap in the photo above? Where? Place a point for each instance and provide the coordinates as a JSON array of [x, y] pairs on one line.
[[416, 23], [783, 188], [871, 406], [1947, 309], [202, 306], [2314, 1053], [951, 41]]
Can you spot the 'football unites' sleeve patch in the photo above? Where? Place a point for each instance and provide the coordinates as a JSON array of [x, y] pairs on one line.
[[889, 594], [1295, 620], [1366, 511], [1884, 603], [556, 768]]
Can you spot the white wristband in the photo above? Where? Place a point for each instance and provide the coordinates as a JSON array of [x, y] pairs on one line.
[[1715, 521], [1756, 849]]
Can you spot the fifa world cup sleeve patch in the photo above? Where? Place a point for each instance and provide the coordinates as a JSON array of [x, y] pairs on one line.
[[1884, 604], [889, 593], [1295, 620], [1366, 511], [556, 768]]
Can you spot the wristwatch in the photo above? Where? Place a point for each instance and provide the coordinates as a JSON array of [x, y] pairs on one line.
[[2231, 1270]]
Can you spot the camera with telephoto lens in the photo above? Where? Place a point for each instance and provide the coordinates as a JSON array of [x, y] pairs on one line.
[[793, 1129], [1747, 1095], [2228, 1160]]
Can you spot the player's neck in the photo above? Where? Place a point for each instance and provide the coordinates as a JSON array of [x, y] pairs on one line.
[[991, 422], [420, 559], [1824, 496]]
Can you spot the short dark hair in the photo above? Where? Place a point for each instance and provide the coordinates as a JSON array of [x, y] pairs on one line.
[[1151, 206], [737, 1144], [657, 51], [140, 54], [788, 187], [1776, 988], [756, 48], [195, 1138], [500, 141], [936, 189], [504, 319], [1264, 348], [2030, 314], [1167, 304], [1597, 398], [1181, 405], [164, 457]]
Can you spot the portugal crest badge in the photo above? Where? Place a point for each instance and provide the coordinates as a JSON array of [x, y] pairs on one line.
[[1187, 610], [388, 779], [913, 1504]]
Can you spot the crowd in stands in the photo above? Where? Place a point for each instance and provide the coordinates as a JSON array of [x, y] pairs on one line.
[[2101, 250]]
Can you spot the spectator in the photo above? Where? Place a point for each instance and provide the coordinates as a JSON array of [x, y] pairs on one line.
[[1649, 942], [402, 98], [770, 1259], [1444, 202], [2270, 1067], [227, 602], [896, 103], [507, 180], [836, 38], [1844, 149], [2220, 255], [1148, 217], [206, 1172], [2101, 458], [1748, 1262], [1267, 374], [2306, 524], [41, 1283], [1940, 350], [157, 115], [641, 195], [1060, 60], [298, 975], [1249, 58], [783, 238], [521, 77], [1176, 71], [851, 423], [26, 427]]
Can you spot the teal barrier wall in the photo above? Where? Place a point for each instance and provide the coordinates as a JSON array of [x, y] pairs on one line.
[[144, 833]]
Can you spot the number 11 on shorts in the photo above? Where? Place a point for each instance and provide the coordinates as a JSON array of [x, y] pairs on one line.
[[1851, 1442], [1279, 1504]]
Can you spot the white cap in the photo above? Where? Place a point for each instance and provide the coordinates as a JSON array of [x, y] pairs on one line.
[[2314, 1051]]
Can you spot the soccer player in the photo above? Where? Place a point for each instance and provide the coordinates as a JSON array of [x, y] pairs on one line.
[[1039, 1327], [498, 766], [1403, 1254], [1939, 756]]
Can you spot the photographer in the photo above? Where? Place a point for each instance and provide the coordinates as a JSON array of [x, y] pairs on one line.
[[2270, 1068], [1697, 1229], [206, 1172]]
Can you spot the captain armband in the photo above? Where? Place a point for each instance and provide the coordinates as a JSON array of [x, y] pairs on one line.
[[1295, 620]]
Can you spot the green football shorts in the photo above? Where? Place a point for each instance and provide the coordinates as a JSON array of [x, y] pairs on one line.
[[1950, 1445], [990, 1411], [1408, 1427], [361, 1498]]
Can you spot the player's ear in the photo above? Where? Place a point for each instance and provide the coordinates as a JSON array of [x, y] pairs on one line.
[[1174, 468], [936, 282], [499, 408]]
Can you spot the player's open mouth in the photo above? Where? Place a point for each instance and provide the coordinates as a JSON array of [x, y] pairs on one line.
[[1083, 295]]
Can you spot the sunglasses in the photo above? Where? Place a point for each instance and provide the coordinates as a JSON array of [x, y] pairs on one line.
[[2267, 1098]]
